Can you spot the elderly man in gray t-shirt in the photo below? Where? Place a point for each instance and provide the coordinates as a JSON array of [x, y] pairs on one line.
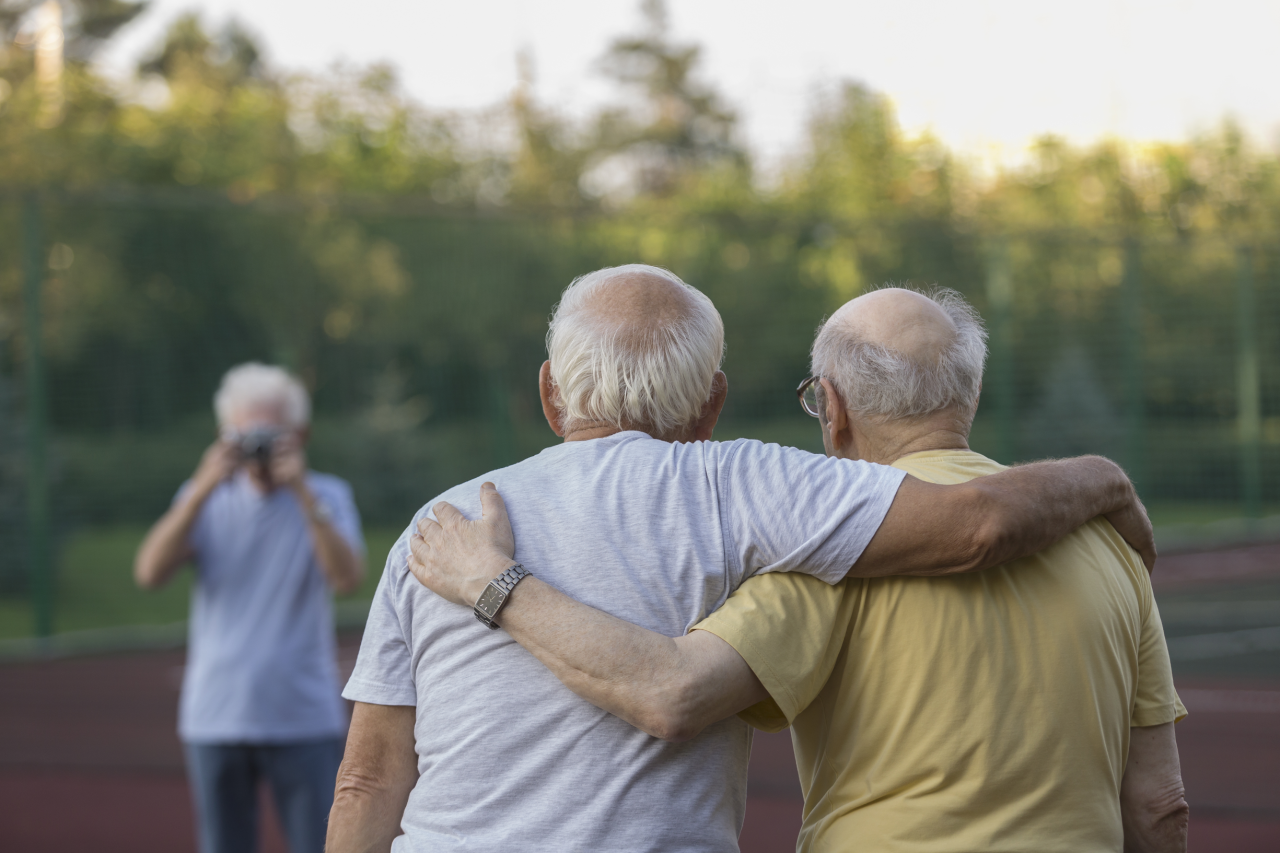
[[461, 740]]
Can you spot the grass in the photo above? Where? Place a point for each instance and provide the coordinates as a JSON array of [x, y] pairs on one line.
[[95, 586]]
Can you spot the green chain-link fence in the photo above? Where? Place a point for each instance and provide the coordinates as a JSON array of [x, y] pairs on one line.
[[420, 332]]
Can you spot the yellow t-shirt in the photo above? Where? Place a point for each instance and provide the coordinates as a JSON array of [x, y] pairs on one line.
[[981, 712]]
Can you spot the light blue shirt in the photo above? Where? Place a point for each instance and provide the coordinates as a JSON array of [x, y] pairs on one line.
[[261, 660], [656, 533]]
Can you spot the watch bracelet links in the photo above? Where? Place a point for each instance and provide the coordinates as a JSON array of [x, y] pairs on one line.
[[504, 583], [510, 577]]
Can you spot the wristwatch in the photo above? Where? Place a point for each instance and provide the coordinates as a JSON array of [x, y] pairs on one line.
[[495, 594]]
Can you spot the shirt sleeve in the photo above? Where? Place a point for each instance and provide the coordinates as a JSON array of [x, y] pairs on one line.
[[383, 674], [197, 536], [346, 518], [786, 510], [1157, 700], [789, 628]]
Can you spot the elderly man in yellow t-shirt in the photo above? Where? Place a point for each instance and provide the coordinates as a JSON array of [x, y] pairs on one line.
[[1028, 707]]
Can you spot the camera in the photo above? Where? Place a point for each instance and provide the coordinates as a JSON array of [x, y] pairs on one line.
[[255, 444]]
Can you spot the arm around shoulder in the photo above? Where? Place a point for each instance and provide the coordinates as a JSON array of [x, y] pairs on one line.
[[930, 529], [936, 530], [670, 688]]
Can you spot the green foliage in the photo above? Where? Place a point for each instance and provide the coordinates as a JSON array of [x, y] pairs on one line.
[[226, 60], [404, 261]]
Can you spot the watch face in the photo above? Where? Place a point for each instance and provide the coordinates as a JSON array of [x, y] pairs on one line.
[[489, 601]]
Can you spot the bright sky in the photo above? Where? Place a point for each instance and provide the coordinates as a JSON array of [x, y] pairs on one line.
[[985, 75]]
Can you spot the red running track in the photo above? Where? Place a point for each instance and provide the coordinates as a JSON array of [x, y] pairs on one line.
[[89, 759]]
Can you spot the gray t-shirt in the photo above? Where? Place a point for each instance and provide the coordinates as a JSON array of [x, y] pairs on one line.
[[261, 664], [656, 533]]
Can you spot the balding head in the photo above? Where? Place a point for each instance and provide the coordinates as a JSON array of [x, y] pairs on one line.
[[900, 354], [635, 301], [634, 347], [900, 320]]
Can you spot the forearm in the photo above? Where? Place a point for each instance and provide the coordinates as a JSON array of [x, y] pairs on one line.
[[619, 667], [1035, 505], [165, 547], [340, 564], [377, 775], [933, 529], [668, 688], [363, 820], [1153, 804], [1162, 831], [342, 567]]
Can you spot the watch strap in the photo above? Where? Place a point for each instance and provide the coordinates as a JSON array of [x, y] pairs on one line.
[[495, 595]]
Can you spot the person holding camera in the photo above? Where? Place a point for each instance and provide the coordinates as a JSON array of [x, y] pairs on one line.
[[269, 540]]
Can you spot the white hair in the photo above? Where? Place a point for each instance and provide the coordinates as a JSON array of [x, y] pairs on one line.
[[880, 383], [254, 384], [655, 376]]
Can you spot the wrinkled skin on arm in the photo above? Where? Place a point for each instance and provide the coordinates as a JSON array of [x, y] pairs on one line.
[[379, 770], [940, 530], [1153, 804]]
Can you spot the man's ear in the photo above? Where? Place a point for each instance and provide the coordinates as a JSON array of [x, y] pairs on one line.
[[550, 395], [836, 420], [706, 424]]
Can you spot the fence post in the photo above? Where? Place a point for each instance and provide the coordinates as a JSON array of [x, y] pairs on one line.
[[1135, 439], [1248, 387], [36, 400], [1000, 373]]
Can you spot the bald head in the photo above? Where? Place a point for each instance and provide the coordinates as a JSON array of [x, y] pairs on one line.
[[899, 320], [901, 354], [634, 347]]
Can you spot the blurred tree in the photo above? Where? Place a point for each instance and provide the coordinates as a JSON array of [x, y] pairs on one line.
[[874, 205], [86, 24], [550, 155], [855, 165], [223, 124], [61, 134], [678, 125], [358, 132], [228, 58]]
